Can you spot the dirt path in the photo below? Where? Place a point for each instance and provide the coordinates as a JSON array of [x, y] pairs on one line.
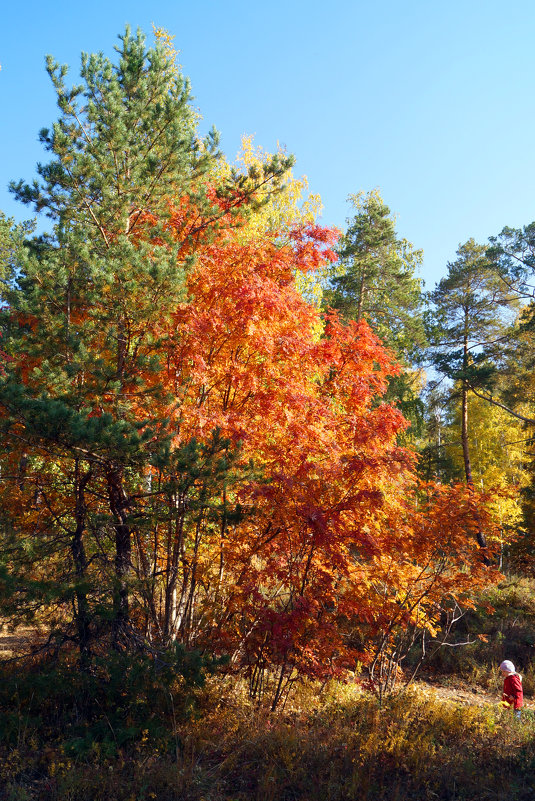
[[17, 643], [468, 696]]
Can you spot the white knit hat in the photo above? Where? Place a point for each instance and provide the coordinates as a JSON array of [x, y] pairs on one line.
[[507, 665]]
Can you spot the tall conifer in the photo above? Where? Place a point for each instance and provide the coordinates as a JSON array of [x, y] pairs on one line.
[[89, 305], [471, 309], [377, 281]]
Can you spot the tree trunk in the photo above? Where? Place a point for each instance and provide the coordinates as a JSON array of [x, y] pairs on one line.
[[464, 435], [118, 501], [362, 292], [82, 616], [480, 536]]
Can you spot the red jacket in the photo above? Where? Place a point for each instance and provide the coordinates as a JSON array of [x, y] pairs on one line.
[[512, 690]]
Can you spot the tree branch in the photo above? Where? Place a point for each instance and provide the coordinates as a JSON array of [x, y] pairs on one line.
[[529, 420]]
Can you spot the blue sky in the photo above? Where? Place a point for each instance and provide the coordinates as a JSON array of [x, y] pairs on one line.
[[430, 101]]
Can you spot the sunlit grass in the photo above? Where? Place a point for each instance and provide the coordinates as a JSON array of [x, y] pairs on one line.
[[327, 743], [331, 743]]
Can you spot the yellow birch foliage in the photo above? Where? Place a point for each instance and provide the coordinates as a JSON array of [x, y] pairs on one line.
[[282, 211], [164, 37], [497, 454]]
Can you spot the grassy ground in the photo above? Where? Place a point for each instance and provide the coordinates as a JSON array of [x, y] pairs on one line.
[[444, 739], [333, 745]]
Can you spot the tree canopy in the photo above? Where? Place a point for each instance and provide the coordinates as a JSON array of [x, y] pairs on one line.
[[193, 452]]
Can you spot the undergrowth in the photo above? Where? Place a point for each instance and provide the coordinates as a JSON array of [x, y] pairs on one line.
[[135, 731], [330, 744], [508, 632]]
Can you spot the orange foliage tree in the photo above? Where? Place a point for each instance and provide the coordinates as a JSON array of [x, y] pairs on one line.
[[329, 530]]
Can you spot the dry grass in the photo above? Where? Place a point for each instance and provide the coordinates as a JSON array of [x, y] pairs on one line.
[[445, 739], [330, 744]]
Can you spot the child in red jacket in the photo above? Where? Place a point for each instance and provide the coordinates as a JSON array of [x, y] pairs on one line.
[[513, 695]]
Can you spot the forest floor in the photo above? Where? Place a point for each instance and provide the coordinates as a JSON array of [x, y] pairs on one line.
[[446, 738], [464, 693]]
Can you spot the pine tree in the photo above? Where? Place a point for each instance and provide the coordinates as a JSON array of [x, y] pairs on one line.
[[377, 280], [377, 277], [513, 253], [472, 307], [90, 305]]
